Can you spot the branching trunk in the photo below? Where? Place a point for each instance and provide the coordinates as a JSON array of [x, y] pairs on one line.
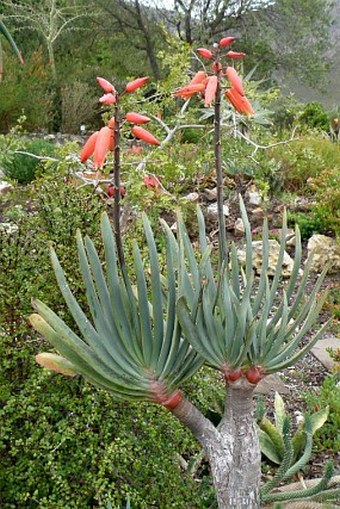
[[232, 448]]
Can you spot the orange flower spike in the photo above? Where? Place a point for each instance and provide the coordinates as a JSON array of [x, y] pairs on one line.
[[205, 53], [210, 90], [89, 147], [247, 107], [190, 90], [144, 135], [136, 118], [102, 147], [107, 99], [199, 77], [235, 54], [235, 80], [240, 103], [235, 99], [226, 41], [106, 85], [133, 85]]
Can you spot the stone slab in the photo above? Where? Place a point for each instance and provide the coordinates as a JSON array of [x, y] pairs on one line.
[[320, 350], [271, 383]]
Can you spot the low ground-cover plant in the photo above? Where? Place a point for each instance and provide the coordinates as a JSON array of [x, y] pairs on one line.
[[305, 158], [273, 442], [328, 437]]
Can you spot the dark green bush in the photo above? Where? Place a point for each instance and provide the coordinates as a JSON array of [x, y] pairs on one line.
[[24, 167], [66, 445], [315, 116]]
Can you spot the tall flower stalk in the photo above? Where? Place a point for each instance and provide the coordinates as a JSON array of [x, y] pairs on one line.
[[108, 139]]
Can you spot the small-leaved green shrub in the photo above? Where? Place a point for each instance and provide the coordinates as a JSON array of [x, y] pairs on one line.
[[24, 167], [314, 116]]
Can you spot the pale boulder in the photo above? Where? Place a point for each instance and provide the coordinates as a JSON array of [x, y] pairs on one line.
[[326, 249], [274, 248]]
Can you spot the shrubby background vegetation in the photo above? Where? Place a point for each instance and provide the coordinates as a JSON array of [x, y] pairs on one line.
[[64, 444]]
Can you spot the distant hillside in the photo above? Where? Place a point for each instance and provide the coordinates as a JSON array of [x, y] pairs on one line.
[[329, 96]]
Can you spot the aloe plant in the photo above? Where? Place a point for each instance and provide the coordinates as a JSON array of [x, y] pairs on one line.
[[271, 435], [142, 341], [126, 347], [5, 32]]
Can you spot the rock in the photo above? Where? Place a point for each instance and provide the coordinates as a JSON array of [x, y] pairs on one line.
[[8, 228], [271, 383], [257, 214], [290, 237], [239, 228], [5, 187], [302, 204], [319, 350], [192, 197], [212, 211], [326, 249], [274, 248], [253, 196], [210, 194]]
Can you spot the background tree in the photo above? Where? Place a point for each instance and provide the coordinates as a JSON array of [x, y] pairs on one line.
[[139, 24], [50, 19]]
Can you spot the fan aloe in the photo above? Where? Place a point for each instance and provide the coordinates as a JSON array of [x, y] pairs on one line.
[[143, 341], [126, 347]]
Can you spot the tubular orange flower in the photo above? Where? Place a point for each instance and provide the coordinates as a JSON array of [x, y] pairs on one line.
[[240, 103], [88, 148], [205, 53], [226, 41], [235, 80], [133, 85], [247, 107], [189, 90], [102, 147], [111, 123], [106, 85], [210, 90], [235, 54], [136, 118], [143, 134], [107, 99], [199, 77]]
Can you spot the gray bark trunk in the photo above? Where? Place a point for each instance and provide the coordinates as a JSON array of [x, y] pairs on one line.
[[233, 449]]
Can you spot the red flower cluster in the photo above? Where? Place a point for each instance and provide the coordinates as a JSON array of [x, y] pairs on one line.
[[206, 85], [102, 141]]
